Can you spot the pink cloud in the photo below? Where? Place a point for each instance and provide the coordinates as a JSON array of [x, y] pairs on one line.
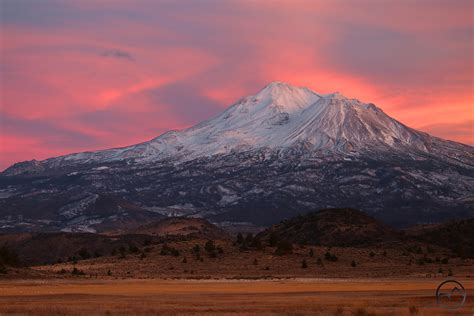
[[118, 66]]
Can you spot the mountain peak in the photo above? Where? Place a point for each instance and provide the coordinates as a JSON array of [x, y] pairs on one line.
[[279, 87], [285, 97], [337, 95], [282, 92], [280, 118]]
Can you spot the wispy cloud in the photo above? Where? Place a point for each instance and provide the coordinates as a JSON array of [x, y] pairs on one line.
[[117, 53]]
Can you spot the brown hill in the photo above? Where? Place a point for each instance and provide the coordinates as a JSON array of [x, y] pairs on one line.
[[455, 235], [182, 226], [46, 248], [331, 227]]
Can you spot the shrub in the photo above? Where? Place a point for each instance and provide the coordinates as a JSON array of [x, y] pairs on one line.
[[249, 239], [240, 238], [164, 250], [283, 248], [257, 243], [330, 256], [362, 312], [415, 249], [273, 240], [210, 246], [133, 249], [122, 252], [76, 271], [169, 251], [427, 259], [304, 264], [211, 249], [8, 257], [243, 247], [413, 310]]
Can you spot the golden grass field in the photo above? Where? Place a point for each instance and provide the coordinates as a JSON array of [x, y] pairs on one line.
[[226, 297]]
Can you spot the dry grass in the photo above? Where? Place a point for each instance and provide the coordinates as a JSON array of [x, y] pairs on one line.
[[385, 281], [396, 263], [224, 297]]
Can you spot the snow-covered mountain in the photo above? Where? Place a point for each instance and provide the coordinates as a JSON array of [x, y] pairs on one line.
[[280, 129], [279, 117]]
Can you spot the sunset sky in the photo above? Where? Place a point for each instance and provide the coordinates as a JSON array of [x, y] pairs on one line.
[[85, 75]]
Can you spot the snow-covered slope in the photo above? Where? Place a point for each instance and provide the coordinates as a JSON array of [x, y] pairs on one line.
[[279, 117]]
